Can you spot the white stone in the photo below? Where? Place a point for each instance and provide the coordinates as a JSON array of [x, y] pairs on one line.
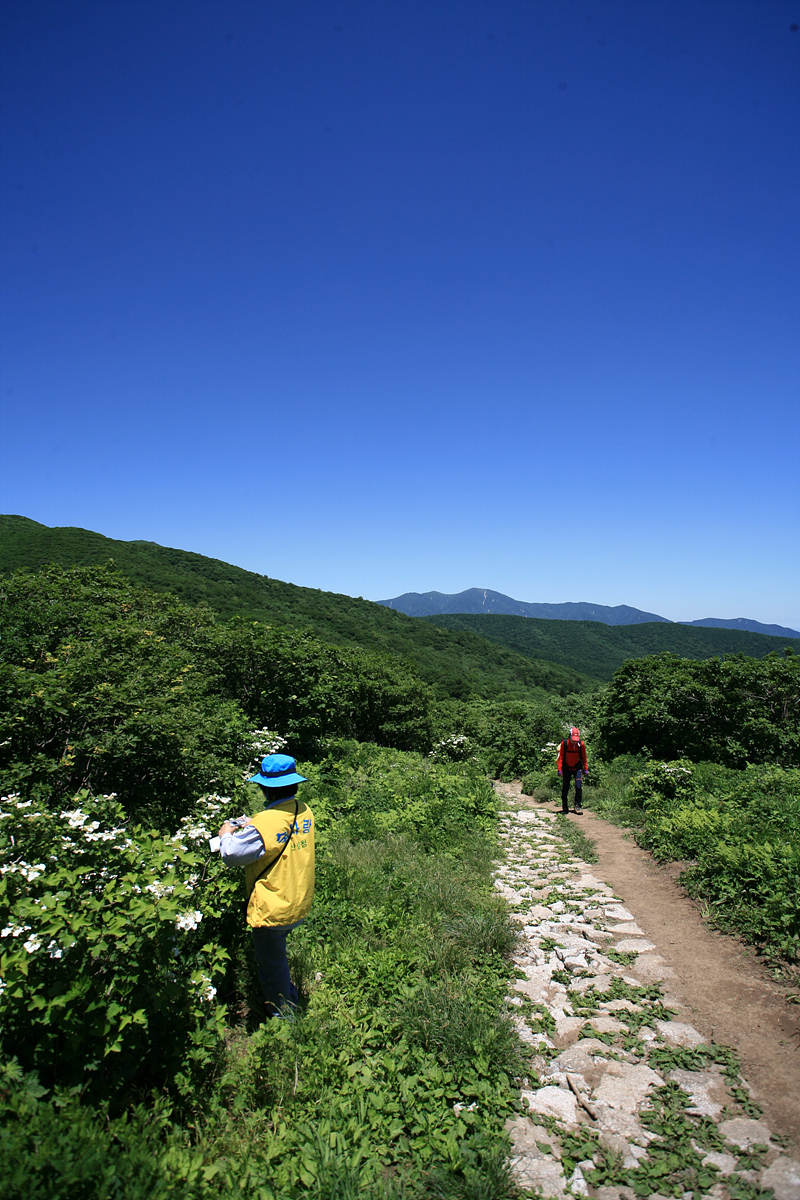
[[525, 1033], [577, 1183], [678, 1034], [614, 1121], [634, 946], [536, 986], [744, 1132], [553, 1102], [606, 1024], [706, 1089], [543, 1175], [576, 1059], [653, 969], [725, 1163], [567, 1027], [783, 1176], [539, 913], [615, 912], [627, 927], [625, 1086], [576, 962]]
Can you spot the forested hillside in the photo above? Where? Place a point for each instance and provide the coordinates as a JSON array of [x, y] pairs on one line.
[[598, 649], [458, 664]]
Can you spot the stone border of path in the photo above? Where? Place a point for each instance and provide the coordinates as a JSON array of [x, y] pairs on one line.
[[623, 1098]]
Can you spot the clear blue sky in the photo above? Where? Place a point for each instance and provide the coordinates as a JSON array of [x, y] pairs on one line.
[[395, 296]]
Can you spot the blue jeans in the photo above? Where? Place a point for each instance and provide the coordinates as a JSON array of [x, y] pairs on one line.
[[269, 943]]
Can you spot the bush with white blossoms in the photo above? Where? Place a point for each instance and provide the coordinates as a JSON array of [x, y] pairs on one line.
[[113, 943], [455, 748], [264, 742]]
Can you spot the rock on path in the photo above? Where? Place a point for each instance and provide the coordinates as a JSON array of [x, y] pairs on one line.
[[623, 1098]]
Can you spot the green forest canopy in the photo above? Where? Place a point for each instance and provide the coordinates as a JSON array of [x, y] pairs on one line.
[[599, 650], [456, 664]]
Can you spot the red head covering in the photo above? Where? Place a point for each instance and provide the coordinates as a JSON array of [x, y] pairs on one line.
[[575, 734]]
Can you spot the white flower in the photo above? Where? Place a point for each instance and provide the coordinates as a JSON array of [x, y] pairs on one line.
[[189, 920], [14, 930], [73, 817], [24, 803], [159, 889], [54, 950], [32, 945]]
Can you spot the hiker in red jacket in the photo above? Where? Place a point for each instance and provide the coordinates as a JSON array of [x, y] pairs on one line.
[[572, 763]]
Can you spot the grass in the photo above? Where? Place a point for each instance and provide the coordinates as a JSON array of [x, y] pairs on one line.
[[398, 1074]]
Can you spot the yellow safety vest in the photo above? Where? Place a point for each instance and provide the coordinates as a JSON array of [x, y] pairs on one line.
[[284, 894]]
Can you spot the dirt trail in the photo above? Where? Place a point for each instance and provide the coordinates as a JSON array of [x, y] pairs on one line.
[[718, 982], [605, 1057]]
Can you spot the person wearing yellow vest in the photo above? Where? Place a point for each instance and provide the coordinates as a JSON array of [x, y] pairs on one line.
[[276, 848]]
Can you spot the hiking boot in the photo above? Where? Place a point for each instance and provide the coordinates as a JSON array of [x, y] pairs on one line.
[[579, 810], [564, 811]]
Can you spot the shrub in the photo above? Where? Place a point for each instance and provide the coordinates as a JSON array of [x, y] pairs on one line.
[[110, 964], [730, 711]]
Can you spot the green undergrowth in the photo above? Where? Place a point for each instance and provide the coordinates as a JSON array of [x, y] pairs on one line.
[[736, 831], [397, 1074]]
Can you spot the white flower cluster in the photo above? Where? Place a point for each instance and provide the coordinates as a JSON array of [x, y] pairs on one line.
[[207, 990], [29, 871], [78, 820], [210, 812], [264, 741], [192, 831], [189, 920], [160, 889], [675, 770], [456, 746], [14, 930]]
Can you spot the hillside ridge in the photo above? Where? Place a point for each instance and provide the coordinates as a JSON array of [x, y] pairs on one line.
[[460, 655], [456, 664]]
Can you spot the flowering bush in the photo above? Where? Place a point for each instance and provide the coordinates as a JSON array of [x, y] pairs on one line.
[[455, 748], [111, 943]]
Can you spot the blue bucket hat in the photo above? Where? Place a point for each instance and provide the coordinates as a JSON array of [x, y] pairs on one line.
[[277, 770]]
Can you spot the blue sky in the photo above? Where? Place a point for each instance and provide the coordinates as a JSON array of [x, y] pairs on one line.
[[398, 296]]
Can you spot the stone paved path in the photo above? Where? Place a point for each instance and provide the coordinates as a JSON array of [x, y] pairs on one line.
[[626, 1099]]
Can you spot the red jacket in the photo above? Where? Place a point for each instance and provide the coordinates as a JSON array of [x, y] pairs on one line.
[[575, 755]]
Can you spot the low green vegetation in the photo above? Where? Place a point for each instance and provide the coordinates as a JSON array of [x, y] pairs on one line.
[[737, 831], [127, 977]]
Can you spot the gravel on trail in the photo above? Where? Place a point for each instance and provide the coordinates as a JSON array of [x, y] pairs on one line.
[[617, 1075]]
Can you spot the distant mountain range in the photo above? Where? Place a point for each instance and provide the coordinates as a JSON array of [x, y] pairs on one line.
[[482, 600]]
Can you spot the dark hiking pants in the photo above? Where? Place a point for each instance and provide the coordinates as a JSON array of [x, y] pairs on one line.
[[567, 775]]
